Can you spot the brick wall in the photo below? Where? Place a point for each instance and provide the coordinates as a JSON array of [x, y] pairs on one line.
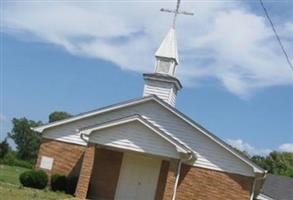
[[201, 184], [67, 157], [161, 185], [105, 174], [204, 184], [170, 181], [85, 172]]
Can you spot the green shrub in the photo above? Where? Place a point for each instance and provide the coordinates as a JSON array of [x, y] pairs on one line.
[[62, 183], [11, 160], [58, 182], [23, 163], [71, 184], [34, 179]]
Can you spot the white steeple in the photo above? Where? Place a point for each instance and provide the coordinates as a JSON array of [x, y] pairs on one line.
[[168, 48], [163, 82], [167, 54]]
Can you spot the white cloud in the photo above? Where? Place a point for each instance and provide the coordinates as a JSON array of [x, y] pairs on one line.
[[224, 41], [287, 147], [244, 146], [251, 150]]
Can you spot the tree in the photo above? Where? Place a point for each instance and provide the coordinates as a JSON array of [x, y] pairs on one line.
[[4, 148], [58, 115], [27, 140], [259, 160], [278, 163]]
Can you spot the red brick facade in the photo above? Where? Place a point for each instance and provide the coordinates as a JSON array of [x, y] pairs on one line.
[[100, 172], [105, 174], [85, 172], [170, 180], [203, 184], [67, 157], [161, 185]]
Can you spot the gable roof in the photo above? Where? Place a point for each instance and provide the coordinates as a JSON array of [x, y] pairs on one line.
[[278, 187], [93, 112], [173, 110], [180, 147]]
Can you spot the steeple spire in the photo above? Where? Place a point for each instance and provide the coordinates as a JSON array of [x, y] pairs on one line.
[[168, 48], [163, 82]]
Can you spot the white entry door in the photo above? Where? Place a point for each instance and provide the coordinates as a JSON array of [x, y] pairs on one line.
[[138, 177]]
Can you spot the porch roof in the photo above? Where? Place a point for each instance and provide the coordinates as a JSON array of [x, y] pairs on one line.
[[179, 146]]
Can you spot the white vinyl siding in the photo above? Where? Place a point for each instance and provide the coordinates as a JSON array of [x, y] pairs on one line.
[[163, 90], [136, 137], [172, 97], [210, 154]]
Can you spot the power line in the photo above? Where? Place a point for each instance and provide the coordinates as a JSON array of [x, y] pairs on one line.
[[276, 34]]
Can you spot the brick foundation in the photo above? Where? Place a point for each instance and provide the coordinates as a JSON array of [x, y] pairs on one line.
[[67, 157]]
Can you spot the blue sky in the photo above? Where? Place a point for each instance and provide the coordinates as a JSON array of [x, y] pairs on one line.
[[74, 58]]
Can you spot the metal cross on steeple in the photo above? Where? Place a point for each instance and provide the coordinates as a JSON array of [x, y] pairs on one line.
[[176, 12]]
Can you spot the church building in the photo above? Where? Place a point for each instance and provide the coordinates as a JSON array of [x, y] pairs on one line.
[[146, 149]]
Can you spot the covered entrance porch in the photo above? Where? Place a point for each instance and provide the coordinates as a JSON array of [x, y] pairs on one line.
[[129, 161], [127, 175]]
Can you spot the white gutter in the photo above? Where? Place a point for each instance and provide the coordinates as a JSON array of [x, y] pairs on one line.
[[178, 175], [84, 137]]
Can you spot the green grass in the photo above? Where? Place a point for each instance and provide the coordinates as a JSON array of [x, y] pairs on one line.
[[10, 174], [14, 192], [11, 189]]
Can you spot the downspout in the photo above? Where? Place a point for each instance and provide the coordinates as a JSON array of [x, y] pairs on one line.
[[177, 179], [254, 183], [178, 175], [253, 188]]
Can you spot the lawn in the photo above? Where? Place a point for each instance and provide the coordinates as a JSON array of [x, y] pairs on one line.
[[11, 189], [9, 174]]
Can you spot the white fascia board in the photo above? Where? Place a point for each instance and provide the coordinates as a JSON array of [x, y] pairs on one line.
[[40, 129]]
